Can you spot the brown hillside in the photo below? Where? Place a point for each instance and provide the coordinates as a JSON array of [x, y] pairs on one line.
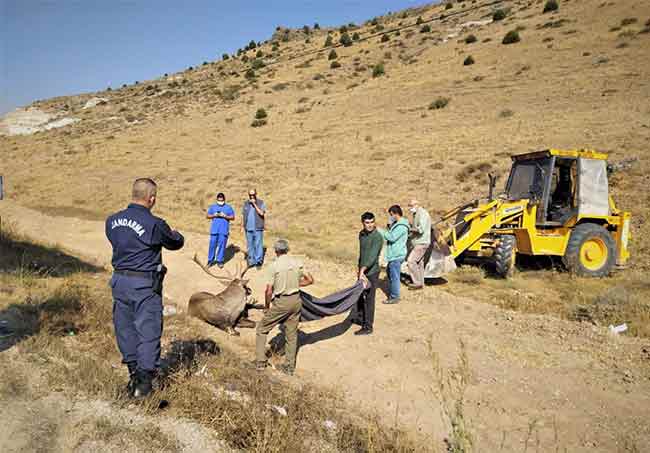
[[339, 141]]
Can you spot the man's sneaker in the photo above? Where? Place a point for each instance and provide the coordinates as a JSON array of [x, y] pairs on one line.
[[391, 301], [415, 288], [286, 369], [364, 331]]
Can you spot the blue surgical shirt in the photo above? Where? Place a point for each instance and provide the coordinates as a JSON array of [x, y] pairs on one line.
[[220, 225]]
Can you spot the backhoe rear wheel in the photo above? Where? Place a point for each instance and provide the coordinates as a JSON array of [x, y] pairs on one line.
[[504, 255], [591, 251]]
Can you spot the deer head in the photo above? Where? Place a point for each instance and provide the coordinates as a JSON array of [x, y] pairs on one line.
[[231, 280]]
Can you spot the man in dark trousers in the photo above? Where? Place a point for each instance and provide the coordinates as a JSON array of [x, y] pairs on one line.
[[370, 244], [137, 238]]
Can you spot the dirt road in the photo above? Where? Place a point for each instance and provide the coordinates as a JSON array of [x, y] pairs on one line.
[[534, 381]]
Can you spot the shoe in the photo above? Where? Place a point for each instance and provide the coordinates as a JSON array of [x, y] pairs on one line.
[[143, 385], [220, 265], [286, 369], [415, 288], [260, 366], [130, 387], [391, 301], [364, 331]]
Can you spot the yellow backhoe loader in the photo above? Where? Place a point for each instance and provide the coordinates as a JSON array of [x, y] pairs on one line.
[[555, 203]]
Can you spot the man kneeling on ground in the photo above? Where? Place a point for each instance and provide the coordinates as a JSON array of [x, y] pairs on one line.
[[284, 277]]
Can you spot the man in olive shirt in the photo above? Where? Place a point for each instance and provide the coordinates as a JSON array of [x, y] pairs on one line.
[[370, 244], [284, 278]]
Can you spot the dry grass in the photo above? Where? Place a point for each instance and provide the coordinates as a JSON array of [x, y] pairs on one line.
[[62, 327]]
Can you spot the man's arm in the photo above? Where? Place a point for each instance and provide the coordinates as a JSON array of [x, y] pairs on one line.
[[261, 210], [306, 279], [268, 296], [395, 234], [230, 216], [170, 239]]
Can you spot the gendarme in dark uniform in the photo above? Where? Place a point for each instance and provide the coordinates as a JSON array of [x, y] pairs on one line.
[[137, 237]]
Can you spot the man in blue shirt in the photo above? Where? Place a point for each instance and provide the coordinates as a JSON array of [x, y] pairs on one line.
[[253, 214], [221, 214], [137, 238]]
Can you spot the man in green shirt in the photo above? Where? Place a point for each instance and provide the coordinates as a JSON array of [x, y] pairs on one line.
[[370, 244], [420, 240], [396, 236]]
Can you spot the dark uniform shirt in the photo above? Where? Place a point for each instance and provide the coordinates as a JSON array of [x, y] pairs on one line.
[[137, 237]]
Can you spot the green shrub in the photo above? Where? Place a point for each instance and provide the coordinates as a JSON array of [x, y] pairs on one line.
[[316, 26], [306, 29], [468, 61], [355, 36], [385, 38], [259, 54], [628, 21], [335, 64], [276, 47], [499, 14], [439, 103], [374, 21], [261, 114], [425, 29], [345, 40], [225, 56], [343, 29], [333, 55], [511, 37], [258, 123], [250, 73], [470, 39], [257, 64], [551, 5], [378, 70], [244, 58], [419, 20], [329, 41], [449, 5], [252, 45]]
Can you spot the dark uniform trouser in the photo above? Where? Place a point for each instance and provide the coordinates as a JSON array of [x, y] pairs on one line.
[[284, 310], [138, 320], [366, 304]]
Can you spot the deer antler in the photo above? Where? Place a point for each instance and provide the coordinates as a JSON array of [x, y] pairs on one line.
[[228, 278]]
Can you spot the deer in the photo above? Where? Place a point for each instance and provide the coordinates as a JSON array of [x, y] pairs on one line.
[[227, 309]]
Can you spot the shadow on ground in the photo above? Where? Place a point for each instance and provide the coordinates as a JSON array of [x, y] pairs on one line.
[[22, 320], [25, 257]]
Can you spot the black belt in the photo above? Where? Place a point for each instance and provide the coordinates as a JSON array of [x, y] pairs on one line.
[[140, 274]]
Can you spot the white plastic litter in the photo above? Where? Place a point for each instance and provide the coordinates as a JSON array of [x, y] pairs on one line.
[[618, 329]]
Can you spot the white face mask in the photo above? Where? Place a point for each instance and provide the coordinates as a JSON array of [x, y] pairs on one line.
[[413, 210], [221, 203]]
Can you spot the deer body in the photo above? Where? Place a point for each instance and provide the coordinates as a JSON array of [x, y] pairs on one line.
[[227, 309], [222, 310]]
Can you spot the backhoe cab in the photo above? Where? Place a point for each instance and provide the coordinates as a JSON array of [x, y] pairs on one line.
[[555, 203]]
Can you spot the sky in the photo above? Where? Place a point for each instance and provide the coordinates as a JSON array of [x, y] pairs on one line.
[[63, 47]]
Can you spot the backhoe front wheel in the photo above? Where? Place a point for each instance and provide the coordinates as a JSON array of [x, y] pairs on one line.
[[504, 255], [591, 251]]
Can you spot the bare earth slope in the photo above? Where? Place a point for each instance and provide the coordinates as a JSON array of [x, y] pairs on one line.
[[532, 379]]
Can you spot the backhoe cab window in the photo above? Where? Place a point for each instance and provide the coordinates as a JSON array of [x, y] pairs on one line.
[[527, 179]]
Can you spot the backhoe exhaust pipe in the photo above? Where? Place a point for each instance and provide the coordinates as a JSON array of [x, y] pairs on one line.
[[493, 183]]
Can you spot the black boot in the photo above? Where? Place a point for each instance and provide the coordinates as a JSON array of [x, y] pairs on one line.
[[144, 384], [130, 387]]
